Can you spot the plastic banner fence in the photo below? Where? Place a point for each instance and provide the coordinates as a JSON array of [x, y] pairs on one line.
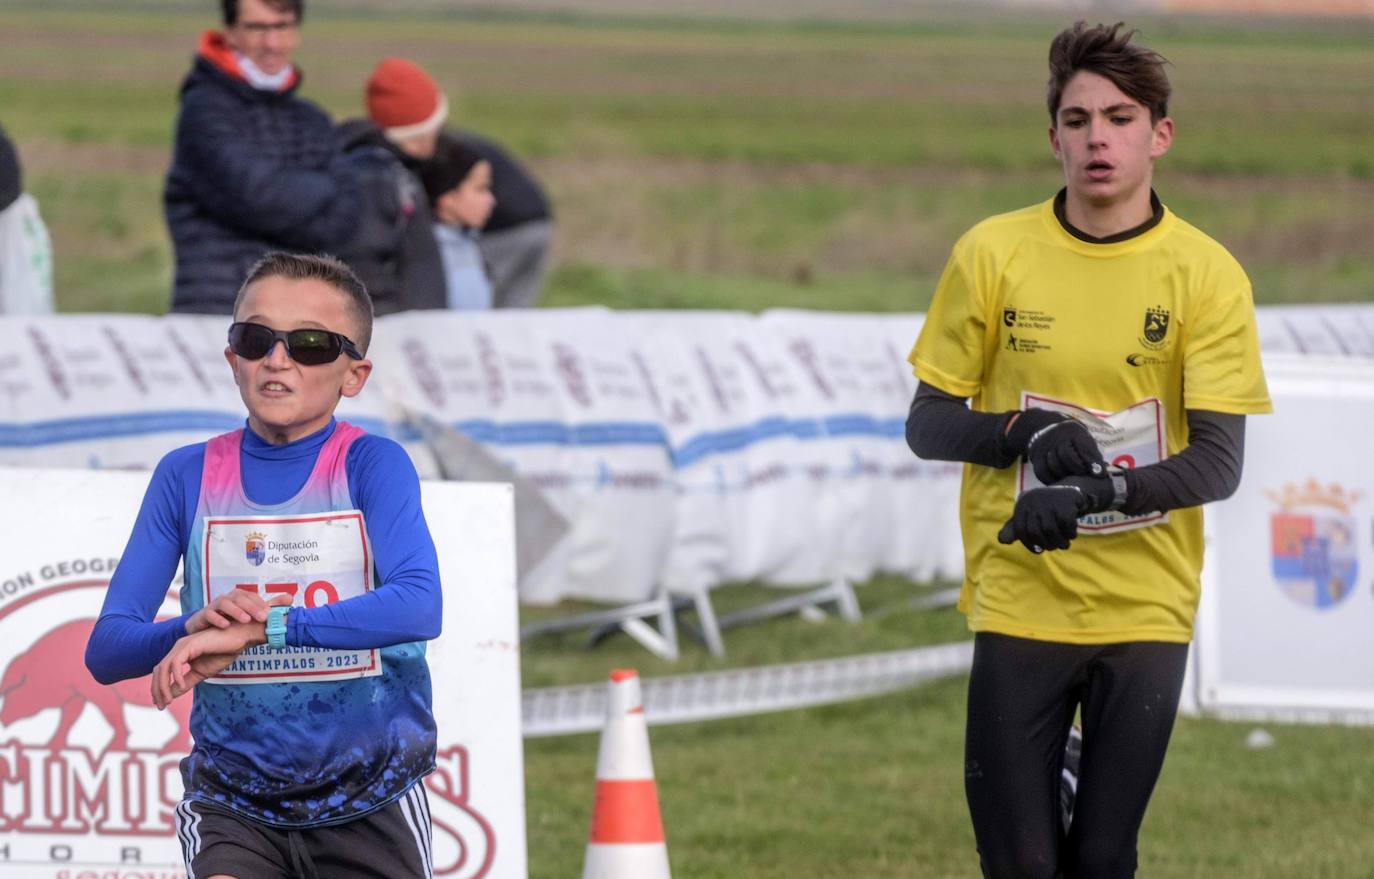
[[684, 448]]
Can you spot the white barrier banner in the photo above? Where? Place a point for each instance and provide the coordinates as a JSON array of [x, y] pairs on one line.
[[686, 449], [89, 774], [110, 391], [560, 399], [1286, 619], [902, 514], [742, 425], [120, 391], [1318, 330]]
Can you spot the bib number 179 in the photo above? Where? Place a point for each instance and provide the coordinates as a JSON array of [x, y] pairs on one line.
[[317, 592]]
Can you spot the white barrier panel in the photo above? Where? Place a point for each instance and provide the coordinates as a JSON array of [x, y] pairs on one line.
[[754, 449], [854, 424], [120, 391], [114, 391], [1287, 612], [560, 399], [696, 423], [906, 518], [89, 774], [1318, 330], [686, 448]]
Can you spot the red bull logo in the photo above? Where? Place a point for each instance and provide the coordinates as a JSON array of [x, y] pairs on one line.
[[89, 774], [52, 675]]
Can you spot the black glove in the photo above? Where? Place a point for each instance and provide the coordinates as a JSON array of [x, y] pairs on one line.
[[1047, 517], [1055, 445]]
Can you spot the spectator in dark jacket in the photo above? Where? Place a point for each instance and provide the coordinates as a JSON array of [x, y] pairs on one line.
[[255, 168], [405, 103], [394, 250]]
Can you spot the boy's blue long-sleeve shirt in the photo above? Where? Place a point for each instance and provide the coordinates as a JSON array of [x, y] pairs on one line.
[[295, 752], [127, 643]]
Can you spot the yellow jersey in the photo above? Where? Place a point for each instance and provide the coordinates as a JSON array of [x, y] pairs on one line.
[[1136, 332]]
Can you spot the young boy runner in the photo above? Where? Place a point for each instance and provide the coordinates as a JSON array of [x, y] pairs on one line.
[[1110, 353], [311, 585]]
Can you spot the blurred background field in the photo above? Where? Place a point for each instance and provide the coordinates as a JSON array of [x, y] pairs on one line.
[[737, 157], [813, 154]]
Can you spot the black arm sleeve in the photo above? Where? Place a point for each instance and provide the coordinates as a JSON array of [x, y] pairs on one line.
[[941, 427], [1207, 470]]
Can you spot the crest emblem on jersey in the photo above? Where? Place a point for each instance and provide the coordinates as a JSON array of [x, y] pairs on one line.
[[1312, 543], [1008, 317], [255, 547], [1156, 325]]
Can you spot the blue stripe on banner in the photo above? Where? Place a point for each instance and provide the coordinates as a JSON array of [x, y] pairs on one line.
[[722, 441], [127, 424], [557, 433], [865, 425], [72, 430], [608, 433], [400, 432]]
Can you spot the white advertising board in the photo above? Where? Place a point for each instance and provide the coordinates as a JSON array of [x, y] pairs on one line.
[[89, 774], [686, 449], [119, 391], [559, 398], [899, 514], [1288, 605]]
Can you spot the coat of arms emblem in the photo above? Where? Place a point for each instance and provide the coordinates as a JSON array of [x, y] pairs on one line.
[[1156, 325], [255, 547]]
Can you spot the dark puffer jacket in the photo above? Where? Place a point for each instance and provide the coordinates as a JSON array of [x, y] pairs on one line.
[[253, 171], [392, 250]]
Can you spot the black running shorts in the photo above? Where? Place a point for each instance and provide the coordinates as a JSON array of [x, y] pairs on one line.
[[391, 843]]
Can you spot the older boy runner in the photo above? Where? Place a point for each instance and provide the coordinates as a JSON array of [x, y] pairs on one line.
[[1110, 352], [311, 584]]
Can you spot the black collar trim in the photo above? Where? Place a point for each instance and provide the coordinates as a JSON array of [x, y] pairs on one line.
[[1156, 214]]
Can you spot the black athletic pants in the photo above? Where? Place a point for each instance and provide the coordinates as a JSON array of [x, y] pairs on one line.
[[1022, 697]]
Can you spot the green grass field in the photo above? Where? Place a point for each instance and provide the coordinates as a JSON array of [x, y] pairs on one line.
[[725, 162], [717, 161], [874, 789]]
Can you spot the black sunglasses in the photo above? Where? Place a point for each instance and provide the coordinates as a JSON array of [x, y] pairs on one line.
[[307, 347]]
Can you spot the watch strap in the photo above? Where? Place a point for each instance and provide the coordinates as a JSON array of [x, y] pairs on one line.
[[276, 626]]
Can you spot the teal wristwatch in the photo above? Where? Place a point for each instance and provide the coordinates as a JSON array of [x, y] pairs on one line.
[[276, 626]]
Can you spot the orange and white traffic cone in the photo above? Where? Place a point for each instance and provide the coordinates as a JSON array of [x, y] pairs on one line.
[[626, 840]]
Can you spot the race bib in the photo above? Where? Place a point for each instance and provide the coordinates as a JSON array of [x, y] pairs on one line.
[[316, 559], [1133, 437]]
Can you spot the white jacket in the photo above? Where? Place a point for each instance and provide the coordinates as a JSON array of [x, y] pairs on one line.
[[25, 260]]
